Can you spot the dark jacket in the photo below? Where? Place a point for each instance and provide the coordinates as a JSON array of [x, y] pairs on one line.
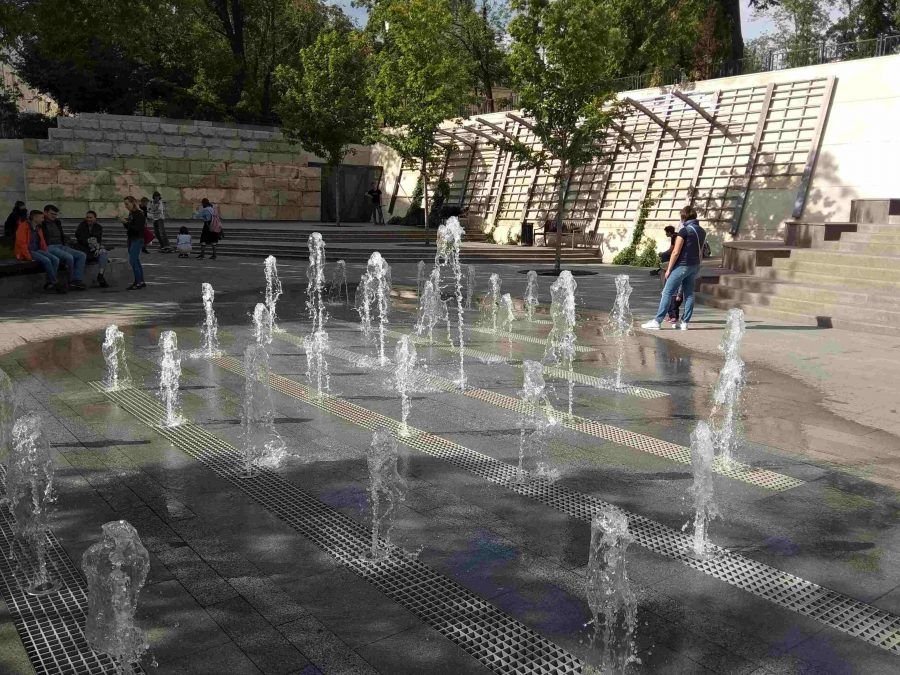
[[53, 232], [11, 225], [135, 225], [84, 232]]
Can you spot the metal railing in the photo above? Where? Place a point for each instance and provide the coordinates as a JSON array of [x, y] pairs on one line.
[[756, 61]]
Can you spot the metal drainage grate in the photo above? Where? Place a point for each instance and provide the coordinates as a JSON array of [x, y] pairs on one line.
[[735, 470], [519, 337], [51, 627], [497, 640], [838, 611]]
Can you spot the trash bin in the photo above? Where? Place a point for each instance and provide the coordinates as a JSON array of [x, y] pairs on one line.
[[527, 238]]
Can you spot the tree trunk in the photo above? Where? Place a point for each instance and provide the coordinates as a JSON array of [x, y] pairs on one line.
[[732, 11], [337, 194], [425, 194], [560, 205]]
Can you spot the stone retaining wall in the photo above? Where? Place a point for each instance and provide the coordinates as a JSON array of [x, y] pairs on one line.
[[92, 161]]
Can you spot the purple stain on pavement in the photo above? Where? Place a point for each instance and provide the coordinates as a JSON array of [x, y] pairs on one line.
[[311, 670], [781, 546], [816, 654], [553, 610], [353, 496]]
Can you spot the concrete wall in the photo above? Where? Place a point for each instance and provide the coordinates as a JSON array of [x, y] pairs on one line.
[[253, 173], [12, 174]]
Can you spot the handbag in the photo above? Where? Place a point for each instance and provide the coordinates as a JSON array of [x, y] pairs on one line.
[[148, 235]]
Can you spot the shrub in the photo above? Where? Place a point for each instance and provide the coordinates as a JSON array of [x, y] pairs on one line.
[[395, 220], [625, 256], [629, 255], [648, 257]]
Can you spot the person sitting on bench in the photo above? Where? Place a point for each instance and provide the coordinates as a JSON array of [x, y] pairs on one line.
[[56, 246], [30, 245], [89, 238]]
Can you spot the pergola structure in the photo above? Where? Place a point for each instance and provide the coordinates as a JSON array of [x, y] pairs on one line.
[[713, 149]]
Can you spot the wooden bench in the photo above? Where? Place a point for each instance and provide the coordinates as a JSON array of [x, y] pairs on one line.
[[573, 229]]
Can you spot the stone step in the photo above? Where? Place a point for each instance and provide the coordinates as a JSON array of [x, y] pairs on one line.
[[880, 248], [839, 271], [829, 280], [841, 258], [878, 228], [803, 291], [886, 237], [797, 318], [850, 313]]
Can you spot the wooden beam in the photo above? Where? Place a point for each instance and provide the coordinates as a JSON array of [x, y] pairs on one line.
[[465, 185], [525, 123], [806, 179], [751, 160], [704, 144], [396, 190], [653, 159], [653, 116], [498, 129], [478, 132], [458, 139], [704, 114], [621, 131]]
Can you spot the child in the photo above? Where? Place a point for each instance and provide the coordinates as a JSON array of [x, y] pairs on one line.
[[183, 243]]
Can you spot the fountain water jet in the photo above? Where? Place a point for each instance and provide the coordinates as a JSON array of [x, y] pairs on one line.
[[8, 411], [261, 445], [273, 289], [531, 295], [449, 239], [470, 285], [619, 325], [535, 422], [117, 376], [209, 332], [430, 309], [316, 345], [31, 495], [169, 376], [262, 324], [420, 277], [609, 595], [116, 568], [491, 302], [725, 417], [507, 317], [362, 303], [387, 489], [703, 452], [561, 340], [339, 283], [404, 370], [377, 269], [315, 282]]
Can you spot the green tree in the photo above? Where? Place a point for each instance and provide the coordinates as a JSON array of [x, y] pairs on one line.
[[563, 53], [479, 29], [800, 28], [866, 20], [324, 104], [420, 77]]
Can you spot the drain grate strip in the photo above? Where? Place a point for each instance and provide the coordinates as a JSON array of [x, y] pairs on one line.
[[497, 640], [51, 627], [735, 470], [531, 339], [838, 611]]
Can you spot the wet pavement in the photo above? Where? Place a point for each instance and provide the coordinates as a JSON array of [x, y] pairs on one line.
[[235, 587]]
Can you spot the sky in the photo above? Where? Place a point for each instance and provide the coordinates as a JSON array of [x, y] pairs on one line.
[[752, 27]]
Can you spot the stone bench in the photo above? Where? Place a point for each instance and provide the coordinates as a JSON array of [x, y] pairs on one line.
[[24, 278]]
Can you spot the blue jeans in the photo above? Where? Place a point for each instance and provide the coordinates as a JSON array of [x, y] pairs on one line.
[[50, 263], [134, 257], [683, 276], [73, 259]]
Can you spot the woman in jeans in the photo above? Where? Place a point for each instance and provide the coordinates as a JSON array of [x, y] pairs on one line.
[[682, 270], [135, 224]]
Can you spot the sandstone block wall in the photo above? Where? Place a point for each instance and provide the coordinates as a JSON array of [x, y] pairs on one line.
[[94, 161]]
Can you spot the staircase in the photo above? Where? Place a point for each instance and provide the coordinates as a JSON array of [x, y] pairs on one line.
[[840, 275], [352, 243]]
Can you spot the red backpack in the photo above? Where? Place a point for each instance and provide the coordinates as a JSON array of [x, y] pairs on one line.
[[216, 223]]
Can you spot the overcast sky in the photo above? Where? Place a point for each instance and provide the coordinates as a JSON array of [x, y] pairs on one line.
[[751, 28]]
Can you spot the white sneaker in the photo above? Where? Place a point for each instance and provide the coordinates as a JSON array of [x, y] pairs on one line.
[[682, 325], [652, 324]]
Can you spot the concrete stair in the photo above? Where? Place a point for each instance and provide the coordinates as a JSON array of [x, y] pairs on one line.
[[847, 277]]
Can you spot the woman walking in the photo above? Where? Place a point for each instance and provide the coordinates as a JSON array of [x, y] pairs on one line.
[[209, 235], [135, 224], [682, 270]]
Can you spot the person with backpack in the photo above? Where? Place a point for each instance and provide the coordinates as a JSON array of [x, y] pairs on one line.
[[682, 270], [212, 227]]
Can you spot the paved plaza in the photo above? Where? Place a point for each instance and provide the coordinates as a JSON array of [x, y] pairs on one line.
[[264, 575]]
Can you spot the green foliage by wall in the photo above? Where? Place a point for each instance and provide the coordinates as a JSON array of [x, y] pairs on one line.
[[629, 255]]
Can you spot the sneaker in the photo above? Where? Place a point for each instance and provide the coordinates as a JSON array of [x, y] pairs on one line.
[[61, 288], [141, 285], [133, 287], [683, 325], [48, 286], [201, 256], [652, 324], [78, 285], [101, 281]]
